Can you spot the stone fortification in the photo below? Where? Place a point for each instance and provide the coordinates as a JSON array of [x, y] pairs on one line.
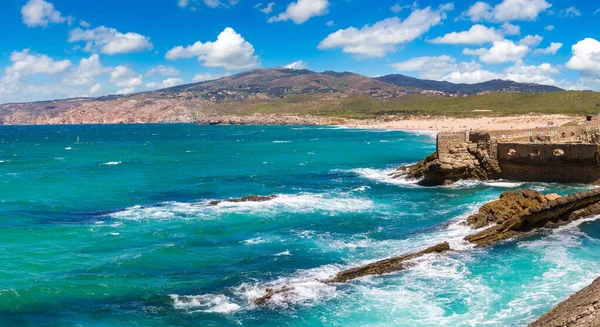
[[567, 156]]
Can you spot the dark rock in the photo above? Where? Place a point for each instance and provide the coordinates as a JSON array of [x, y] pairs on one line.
[[251, 198]]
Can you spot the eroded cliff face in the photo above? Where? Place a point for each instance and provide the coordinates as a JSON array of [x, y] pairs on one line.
[[580, 310]]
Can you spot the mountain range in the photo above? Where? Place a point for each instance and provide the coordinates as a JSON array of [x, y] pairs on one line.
[[277, 90]]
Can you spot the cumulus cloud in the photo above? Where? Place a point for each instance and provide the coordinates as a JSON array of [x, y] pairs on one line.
[[552, 49], [507, 10], [267, 9], [549, 28], [436, 67], [477, 34], [531, 40], [169, 82], [202, 77], [230, 51], [297, 65], [125, 77], [25, 63], [109, 40], [301, 11], [500, 52], [126, 91], [40, 13], [163, 71], [510, 29], [398, 8], [375, 41], [586, 57], [540, 74], [96, 89], [193, 4], [477, 76], [86, 72]]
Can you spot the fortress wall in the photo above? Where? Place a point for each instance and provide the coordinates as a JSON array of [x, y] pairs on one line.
[[540, 162]]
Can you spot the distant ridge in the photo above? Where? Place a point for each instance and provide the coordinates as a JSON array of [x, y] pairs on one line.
[[496, 85]]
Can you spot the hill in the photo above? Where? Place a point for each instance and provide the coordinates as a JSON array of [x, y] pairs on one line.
[[485, 87], [299, 92]]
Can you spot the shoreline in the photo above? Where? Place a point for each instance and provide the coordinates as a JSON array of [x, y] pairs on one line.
[[401, 123]]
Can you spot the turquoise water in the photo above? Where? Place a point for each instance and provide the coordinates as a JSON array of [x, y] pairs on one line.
[[114, 230]]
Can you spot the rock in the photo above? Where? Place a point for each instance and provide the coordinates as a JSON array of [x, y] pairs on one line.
[[552, 196], [580, 310], [251, 198], [386, 266]]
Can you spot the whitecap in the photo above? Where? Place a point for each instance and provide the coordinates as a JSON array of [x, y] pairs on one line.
[[204, 303], [111, 163], [281, 141], [256, 240], [284, 253], [68, 148]]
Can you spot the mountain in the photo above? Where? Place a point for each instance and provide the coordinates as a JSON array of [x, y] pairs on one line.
[[300, 92], [485, 87]]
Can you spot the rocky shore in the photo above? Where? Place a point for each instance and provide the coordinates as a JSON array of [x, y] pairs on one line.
[[580, 310]]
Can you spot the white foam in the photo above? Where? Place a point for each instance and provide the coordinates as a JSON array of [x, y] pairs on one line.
[[111, 163], [256, 240], [384, 176], [281, 141], [298, 203], [204, 303], [68, 148], [284, 253]]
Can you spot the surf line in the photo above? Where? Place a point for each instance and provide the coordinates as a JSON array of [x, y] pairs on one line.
[[514, 214]]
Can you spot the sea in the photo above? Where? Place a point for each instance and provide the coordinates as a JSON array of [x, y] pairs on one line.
[[111, 225]]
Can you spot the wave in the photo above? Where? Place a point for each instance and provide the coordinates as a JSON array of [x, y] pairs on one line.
[[297, 203], [276, 141], [204, 303], [111, 163]]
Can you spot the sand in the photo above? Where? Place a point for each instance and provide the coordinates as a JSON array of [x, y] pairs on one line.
[[451, 124]]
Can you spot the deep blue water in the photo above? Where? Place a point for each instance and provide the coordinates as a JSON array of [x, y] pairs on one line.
[[109, 226]]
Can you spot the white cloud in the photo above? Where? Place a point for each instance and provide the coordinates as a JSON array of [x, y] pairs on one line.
[[297, 65], [109, 40], [24, 63], [597, 11], [477, 76], [40, 13], [126, 91], [183, 3], [202, 77], [552, 49], [85, 24], [267, 9], [229, 51], [549, 28], [125, 77], [570, 12], [193, 4], [384, 36], [398, 8], [162, 70], [330, 23], [586, 57], [301, 11], [477, 34], [510, 29], [87, 70], [507, 10], [500, 52], [437, 67], [531, 40], [169, 82], [96, 89], [531, 74]]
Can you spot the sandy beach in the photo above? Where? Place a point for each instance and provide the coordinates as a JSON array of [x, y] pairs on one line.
[[452, 124]]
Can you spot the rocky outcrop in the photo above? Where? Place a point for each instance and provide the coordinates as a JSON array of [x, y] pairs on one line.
[[515, 214], [580, 310], [387, 266], [250, 198]]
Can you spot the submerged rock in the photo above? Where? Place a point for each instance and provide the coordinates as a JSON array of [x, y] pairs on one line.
[[580, 310], [250, 198], [387, 266]]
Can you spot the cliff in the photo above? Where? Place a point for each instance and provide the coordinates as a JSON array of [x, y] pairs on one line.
[[580, 310]]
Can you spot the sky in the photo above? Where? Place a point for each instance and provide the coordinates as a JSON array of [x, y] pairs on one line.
[[53, 49]]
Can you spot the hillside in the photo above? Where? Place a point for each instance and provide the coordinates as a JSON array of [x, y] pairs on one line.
[[485, 87], [296, 92]]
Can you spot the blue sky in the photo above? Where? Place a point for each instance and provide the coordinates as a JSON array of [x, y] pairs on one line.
[[65, 48]]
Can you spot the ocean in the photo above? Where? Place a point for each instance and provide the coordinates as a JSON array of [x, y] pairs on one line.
[[110, 225]]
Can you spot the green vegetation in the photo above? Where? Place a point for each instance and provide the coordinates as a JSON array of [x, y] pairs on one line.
[[567, 102]]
